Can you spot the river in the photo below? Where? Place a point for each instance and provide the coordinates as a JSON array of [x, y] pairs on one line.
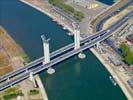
[[75, 79]]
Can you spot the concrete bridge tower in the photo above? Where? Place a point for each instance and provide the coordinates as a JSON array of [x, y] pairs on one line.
[[46, 49], [77, 42], [47, 54], [97, 45], [77, 38]]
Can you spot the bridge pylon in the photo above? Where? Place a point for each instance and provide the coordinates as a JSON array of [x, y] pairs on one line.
[[77, 38], [98, 47], [77, 42], [46, 49], [47, 53]]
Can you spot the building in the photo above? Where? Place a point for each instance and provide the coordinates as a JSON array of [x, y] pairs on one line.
[[114, 60], [130, 38], [130, 82]]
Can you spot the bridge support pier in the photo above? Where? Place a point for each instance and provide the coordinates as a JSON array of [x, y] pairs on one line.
[[46, 49], [81, 55], [8, 79], [26, 70], [32, 79], [98, 46], [50, 70]]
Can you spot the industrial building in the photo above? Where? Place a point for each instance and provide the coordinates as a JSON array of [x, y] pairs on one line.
[[114, 60]]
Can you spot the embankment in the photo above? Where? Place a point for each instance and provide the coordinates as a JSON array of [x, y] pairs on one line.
[[41, 87], [115, 74], [50, 14], [107, 12]]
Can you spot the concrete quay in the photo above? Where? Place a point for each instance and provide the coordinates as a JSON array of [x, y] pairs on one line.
[[119, 79], [41, 87]]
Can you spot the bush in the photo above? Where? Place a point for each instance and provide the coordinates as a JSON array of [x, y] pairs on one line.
[[34, 92], [128, 54], [12, 95], [78, 15], [69, 9]]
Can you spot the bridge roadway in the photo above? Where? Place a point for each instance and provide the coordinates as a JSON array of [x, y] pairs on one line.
[[71, 53], [52, 55]]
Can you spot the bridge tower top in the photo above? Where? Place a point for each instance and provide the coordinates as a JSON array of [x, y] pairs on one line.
[[46, 49], [44, 39]]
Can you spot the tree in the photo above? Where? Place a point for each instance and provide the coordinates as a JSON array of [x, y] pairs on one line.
[[128, 54]]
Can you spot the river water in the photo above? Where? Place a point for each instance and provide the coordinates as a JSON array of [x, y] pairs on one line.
[[74, 79]]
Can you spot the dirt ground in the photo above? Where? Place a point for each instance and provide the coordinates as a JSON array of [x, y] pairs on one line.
[[5, 65], [114, 8], [10, 53], [115, 18]]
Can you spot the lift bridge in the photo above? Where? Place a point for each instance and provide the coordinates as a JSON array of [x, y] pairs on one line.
[[50, 59]]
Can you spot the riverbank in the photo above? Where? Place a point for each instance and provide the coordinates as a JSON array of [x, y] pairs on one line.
[[117, 75], [45, 8], [12, 57], [12, 54], [41, 87]]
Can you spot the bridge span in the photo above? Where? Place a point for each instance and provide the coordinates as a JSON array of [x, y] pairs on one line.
[[59, 55]]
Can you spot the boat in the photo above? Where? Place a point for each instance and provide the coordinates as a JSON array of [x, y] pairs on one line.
[[54, 20], [64, 28], [113, 80]]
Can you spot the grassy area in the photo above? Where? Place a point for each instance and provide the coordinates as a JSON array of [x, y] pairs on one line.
[[34, 92], [130, 8], [128, 53], [67, 8], [11, 93], [26, 58], [23, 54], [93, 21]]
